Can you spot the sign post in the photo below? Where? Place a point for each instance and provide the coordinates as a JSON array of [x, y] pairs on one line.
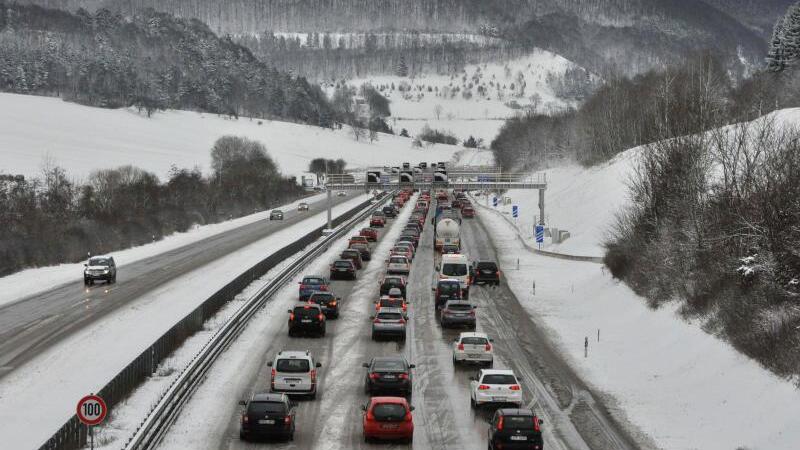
[[91, 411], [495, 201], [539, 235]]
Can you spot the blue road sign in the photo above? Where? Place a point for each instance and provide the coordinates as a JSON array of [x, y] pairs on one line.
[[539, 233], [494, 201], [515, 211]]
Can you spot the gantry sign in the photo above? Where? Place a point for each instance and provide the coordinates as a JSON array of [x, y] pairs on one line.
[[467, 178]]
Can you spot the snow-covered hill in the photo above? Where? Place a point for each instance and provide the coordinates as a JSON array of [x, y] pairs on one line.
[[81, 138]]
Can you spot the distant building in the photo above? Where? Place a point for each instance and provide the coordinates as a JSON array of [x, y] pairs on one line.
[[361, 108]]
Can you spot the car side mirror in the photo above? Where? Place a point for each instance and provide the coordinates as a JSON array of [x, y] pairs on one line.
[[363, 407], [473, 378], [371, 317], [433, 289], [85, 264], [491, 340], [474, 306], [269, 364], [365, 365], [289, 311], [410, 408], [242, 403], [319, 364], [541, 421], [437, 267], [412, 366]]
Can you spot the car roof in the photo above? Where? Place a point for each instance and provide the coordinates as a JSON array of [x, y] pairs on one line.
[[449, 280], [516, 412], [393, 400], [348, 261], [293, 354], [268, 397], [473, 334], [497, 372], [391, 310], [389, 358], [101, 257]]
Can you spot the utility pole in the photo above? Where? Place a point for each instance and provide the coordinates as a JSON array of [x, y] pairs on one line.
[[330, 199]]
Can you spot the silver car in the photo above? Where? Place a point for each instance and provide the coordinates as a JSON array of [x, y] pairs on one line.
[[294, 372], [389, 322]]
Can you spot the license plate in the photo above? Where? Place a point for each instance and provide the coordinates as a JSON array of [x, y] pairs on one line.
[[305, 321], [389, 377], [519, 438], [499, 399], [266, 422], [389, 427], [473, 355]]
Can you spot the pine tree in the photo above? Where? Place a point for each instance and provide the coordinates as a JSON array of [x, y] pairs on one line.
[[402, 68], [791, 35], [775, 57]]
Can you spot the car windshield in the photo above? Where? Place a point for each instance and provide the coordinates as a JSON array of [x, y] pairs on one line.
[[459, 306], [349, 253], [388, 364], [99, 262], [292, 365], [266, 407], [342, 264], [313, 281], [397, 260], [474, 341], [389, 411], [448, 288], [391, 302], [390, 316], [499, 379], [487, 266], [454, 269]]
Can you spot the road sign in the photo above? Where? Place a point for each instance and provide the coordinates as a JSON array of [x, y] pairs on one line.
[[495, 201], [92, 410], [515, 211], [539, 233]]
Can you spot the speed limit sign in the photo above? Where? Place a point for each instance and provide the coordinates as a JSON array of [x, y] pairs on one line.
[[92, 410]]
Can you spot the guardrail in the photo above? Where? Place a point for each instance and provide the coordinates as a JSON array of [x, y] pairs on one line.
[[73, 435]]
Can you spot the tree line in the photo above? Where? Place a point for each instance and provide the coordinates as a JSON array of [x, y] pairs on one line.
[[51, 219]]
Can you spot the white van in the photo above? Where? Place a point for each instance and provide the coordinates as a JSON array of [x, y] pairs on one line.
[[456, 266]]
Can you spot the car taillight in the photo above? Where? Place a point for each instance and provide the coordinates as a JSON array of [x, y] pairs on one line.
[[333, 303], [461, 346], [497, 273], [483, 387], [303, 286], [323, 288], [514, 387], [377, 320], [403, 321], [274, 372], [314, 376], [403, 376], [321, 316], [291, 317], [287, 420], [536, 424], [488, 347], [437, 292], [408, 416], [472, 313], [245, 419], [374, 376], [500, 424]]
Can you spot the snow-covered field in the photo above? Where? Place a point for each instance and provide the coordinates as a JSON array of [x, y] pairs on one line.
[[28, 418], [683, 387], [81, 139]]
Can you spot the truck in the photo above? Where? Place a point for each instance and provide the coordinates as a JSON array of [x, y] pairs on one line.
[[448, 231]]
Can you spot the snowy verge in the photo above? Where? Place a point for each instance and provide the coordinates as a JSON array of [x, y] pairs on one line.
[[683, 387], [29, 282], [86, 360]]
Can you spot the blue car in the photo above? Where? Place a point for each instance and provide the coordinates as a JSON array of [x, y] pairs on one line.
[[311, 284]]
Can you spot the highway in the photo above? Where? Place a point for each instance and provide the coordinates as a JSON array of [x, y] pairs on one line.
[[31, 325], [443, 418]]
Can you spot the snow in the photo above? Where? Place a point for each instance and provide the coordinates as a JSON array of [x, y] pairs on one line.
[[485, 129], [683, 387], [81, 139], [29, 282], [28, 418]]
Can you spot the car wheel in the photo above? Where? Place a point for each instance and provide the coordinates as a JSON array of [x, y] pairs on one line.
[[366, 439], [455, 361], [374, 337], [472, 403], [242, 436], [313, 395], [490, 364]]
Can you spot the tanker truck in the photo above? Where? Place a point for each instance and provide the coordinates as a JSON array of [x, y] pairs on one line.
[[448, 231]]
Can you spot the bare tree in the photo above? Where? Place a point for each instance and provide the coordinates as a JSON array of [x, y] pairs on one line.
[[437, 111]]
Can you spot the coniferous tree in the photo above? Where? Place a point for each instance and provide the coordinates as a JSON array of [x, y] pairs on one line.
[[776, 57], [791, 35]]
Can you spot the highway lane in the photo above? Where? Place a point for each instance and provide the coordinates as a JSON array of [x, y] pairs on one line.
[[33, 324]]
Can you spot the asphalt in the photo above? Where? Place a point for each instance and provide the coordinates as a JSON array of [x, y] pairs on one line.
[[34, 324], [443, 419]]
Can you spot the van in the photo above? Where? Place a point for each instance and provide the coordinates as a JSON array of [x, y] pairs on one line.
[[456, 267]]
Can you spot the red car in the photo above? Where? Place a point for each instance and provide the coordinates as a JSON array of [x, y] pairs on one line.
[[370, 233], [388, 418], [377, 221], [467, 211], [359, 238]]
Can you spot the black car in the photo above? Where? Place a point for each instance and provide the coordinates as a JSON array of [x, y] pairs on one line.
[[343, 268], [389, 211], [366, 254], [515, 429], [100, 268], [328, 302], [485, 272], [308, 318], [267, 416], [388, 375], [450, 249], [446, 290], [276, 214], [393, 281]]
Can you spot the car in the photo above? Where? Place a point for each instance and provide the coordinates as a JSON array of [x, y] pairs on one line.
[[456, 203], [303, 206], [389, 375], [388, 418], [456, 267], [377, 219], [359, 238], [473, 347], [495, 386], [413, 225], [515, 429], [391, 302], [398, 264], [306, 318], [445, 290], [406, 244], [409, 236], [343, 268], [393, 281], [100, 268], [341, 194], [267, 415], [311, 284], [389, 211], [485, 272], [353, 255], [276, 214], [328, 302], [402, 251], [467, 212], [366, 254], [294, 373], [458, 313], [451, 249], [370, 233], [389, 323]]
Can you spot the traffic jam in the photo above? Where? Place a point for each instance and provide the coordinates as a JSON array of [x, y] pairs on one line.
[[388, 414]]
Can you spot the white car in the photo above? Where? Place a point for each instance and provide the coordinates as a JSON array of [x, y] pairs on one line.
[[302, 206], [495, 386], [294, 373], [473, 347], [398, 264], [341, 194]]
